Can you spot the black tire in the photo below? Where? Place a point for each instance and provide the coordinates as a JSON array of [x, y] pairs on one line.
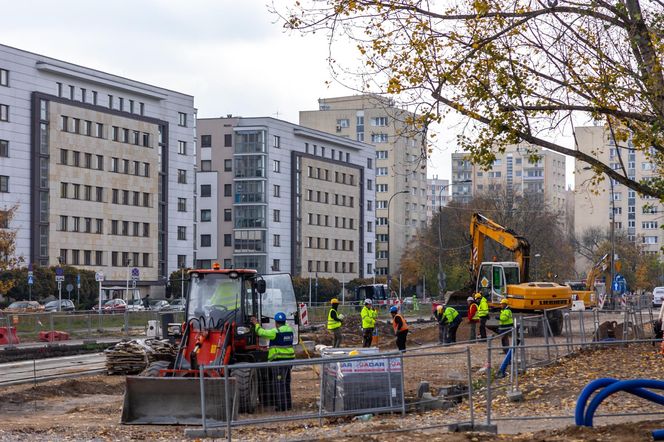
[[247, 389], [152, 370], [555, 318]]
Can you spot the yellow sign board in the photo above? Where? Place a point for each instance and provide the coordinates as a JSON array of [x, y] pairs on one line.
[[484, 282]]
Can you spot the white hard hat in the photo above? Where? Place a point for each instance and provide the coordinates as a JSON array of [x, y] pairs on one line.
[[368, 301]]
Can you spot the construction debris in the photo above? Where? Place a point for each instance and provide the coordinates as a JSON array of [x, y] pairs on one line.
[[132, 357]]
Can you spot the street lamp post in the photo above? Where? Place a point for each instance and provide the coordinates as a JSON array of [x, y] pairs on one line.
[[389, 239], [441, 274]]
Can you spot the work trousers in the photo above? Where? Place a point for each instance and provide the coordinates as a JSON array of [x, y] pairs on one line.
[[452, 330], [442, 332], [483, 320], [337, 337], [281, 382], [366, 337], [473, 331], [401, 340], [506, 339]]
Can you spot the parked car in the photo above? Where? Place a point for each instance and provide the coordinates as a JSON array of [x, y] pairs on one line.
[[158, 305], [113, 306], [24, 307], [135, 305], [657, 296], [177, 305], [66, 305]]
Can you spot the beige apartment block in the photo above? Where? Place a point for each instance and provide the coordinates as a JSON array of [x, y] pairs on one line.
[[401, 184], [103, 172], [514, 171], [637, 217], [437, 195]]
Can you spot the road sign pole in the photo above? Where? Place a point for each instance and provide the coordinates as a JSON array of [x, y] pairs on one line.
[[59, 295]]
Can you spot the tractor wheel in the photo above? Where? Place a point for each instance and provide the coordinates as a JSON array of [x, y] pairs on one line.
[[555, 318], [247, 389], [152, 370]]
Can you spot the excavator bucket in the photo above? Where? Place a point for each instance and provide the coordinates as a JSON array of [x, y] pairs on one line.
[[176, 400]]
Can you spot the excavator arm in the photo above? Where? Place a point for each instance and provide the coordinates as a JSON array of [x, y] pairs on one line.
[[600, 267], [482, 227]]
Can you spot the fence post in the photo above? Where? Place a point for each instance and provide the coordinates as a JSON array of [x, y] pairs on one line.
[[545, 327], [320, 402], [522, 336], [88, 315], [403, 386], [470, 388], [51, 323], [227, 402], [201, 377], [582, 328], [126, 323], [488, 382]]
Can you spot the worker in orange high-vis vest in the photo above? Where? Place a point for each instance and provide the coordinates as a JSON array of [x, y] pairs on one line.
[[400, 327]]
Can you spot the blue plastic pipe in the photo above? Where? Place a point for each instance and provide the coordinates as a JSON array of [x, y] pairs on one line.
[[587, 391], [506, 361]]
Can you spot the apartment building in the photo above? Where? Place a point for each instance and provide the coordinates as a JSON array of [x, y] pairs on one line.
[[401, 183], [96, 165], [514, 171], [279, 197], [638, 217], [437, 195]]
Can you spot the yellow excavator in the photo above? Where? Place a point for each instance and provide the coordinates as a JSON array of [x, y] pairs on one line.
[[498, 280], [585, 290]]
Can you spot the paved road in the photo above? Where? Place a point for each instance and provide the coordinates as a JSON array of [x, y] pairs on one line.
[[38, 370], [112, 340]]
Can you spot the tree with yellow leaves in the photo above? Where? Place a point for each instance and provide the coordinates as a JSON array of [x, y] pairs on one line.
[[8, 258], [518, 70]]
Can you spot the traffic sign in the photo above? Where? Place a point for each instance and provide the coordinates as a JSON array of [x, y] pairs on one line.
[[78, 280], [99, 276], [30, 280], [30, 273], [69, 287], [135, 273]]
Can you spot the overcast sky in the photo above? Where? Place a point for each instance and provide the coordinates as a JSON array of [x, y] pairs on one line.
[[229, 54]]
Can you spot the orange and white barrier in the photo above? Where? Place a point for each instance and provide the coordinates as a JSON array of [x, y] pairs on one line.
[[304, 317]]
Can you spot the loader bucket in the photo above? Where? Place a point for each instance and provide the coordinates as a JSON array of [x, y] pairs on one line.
[[176, 400]]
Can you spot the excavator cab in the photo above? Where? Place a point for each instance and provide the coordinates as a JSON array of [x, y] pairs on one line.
[[494, 278]]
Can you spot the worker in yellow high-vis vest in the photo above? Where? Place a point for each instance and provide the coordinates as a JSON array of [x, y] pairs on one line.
[[334, 322]]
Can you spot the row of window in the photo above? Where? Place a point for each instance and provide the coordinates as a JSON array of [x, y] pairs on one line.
[[96, 226], [96, 257], [206, 140], [96, 194], [324, 267], [324, 174], [318, 196], [93, 98], [334, 154], [96, 162]]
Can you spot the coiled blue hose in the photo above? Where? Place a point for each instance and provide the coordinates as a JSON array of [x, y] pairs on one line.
[[584, 416]]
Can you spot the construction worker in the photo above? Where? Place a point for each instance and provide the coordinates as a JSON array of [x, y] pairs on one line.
[[506, 323], [281, 349], [400, 327], [473, 318], [334, 320], [482, 313], [368, 315], [442, 327], [452, 319], [227, 294]]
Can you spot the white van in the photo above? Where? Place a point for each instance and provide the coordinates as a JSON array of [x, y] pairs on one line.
[[657, 296]]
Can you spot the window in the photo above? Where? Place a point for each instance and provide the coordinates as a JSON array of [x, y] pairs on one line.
[[146, 139], [206, 240], [206, 140], [182, 119], [206, 165], [228, 140], [228, 214], [64, 156], [87, 193], [77, 191], [206, 215], [228, 190], [381, 187], [72, 92], [369, 226], [182, 261], [206, 190], [141, 108], [146, 199], [4, 112], [182, 204], [182, 147], [381, 171], [76, 226], [182, 176], [131, 106], [369, 247], [115, 162], [276, 166], [379, 121], [125, 228], [379, 138], [4, 77], [120, 103], [182, 233], [99, 225], [146, 230], [63, 223], [115, 196], [369, 163], [75, 257], [77, 158], [276, 191], [369, 185], [276, 216], [125, 197], [650, 240], [4, 148], [99, 255], [114, 227], [276, 264], [146, 169], [276, 240], [228, 165], [94, 101], [125, 165], [228, 240], [276, 141], [649, 224], [381, 154]]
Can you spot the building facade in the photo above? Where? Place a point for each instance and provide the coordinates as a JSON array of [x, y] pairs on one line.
[[279, 197], [437, 195], [401, 184], [95, 165], [636, 216], [514, 172]]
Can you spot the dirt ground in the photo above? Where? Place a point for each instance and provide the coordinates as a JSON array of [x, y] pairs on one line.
[[88, 408]]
